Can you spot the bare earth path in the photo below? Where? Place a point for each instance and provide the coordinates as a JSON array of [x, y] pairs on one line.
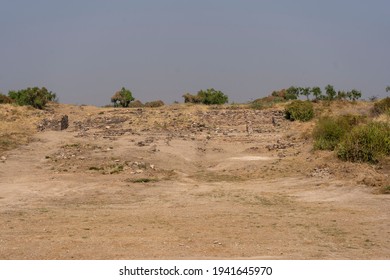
[[185, 183]]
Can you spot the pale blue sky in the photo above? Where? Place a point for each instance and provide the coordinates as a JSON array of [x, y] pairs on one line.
[[86, 50]]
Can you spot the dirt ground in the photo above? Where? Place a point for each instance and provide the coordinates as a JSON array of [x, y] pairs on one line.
[[185, 182]]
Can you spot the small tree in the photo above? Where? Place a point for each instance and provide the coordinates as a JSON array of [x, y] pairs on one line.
[[317, 93], [387, 88], [306, 92], [354, 94], [122, 98], [330, 92], [293, 91]]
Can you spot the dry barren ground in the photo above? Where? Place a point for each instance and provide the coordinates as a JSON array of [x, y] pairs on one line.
[[183, 182]]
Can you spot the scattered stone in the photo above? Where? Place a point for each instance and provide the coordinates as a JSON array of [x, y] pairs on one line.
[[280, 145], [321, 172], [154, 149]]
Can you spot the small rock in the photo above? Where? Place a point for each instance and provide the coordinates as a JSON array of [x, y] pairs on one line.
[[3, 158], [154, 148]]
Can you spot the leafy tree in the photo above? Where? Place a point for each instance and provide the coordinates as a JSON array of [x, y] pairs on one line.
[[36, 97], [306, 92], [317, 93], [122, 98], [330, 92], [387, 88], [354, 94], [293, 91]]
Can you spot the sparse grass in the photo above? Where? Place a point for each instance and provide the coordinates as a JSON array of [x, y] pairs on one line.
[[266, 102], [17, 125], [142, 180], [381, 107], [385, 189], [217, 177], [73, 145], [116, 169], [95, 168]]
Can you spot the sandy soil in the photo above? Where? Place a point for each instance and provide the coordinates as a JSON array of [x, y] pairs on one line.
[[186, 182]]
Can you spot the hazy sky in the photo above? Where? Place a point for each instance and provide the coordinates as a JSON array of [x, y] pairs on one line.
[[85, 50]]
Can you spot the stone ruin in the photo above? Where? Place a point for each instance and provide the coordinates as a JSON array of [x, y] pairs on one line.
[[56, 123]]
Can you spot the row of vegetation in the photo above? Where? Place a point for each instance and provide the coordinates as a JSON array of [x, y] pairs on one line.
[[36, 97], [354, 138], [329, 94], [124, 98]]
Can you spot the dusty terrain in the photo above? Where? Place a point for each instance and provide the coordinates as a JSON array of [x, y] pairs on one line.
[[183, 182]]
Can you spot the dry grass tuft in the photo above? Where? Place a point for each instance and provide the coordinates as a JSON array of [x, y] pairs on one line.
[[17, 125]]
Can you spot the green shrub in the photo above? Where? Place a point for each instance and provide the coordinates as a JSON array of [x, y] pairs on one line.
[[154, 104], [208, 97], [5, 99], [329, 131], [212, 96], [36, 97], [299, 110], [381, 107], [365, 143]]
